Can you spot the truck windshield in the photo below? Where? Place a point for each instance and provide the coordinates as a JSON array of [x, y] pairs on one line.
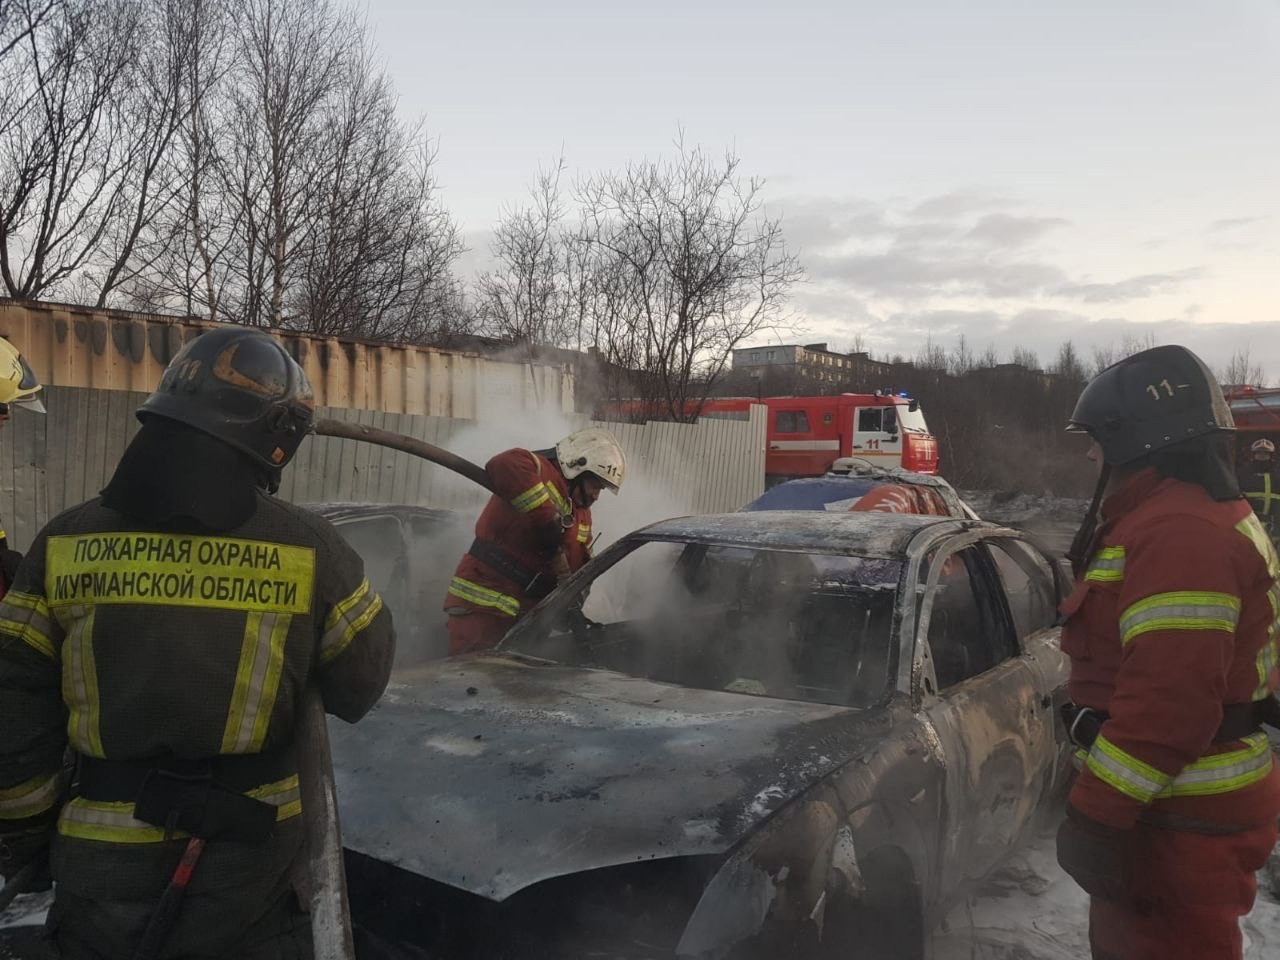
[[795, 626], [912, 420]]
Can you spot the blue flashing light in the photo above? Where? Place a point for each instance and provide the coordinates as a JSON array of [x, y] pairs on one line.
[[904, 395]]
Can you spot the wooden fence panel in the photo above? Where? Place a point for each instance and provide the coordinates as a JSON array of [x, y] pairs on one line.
[[48, 464]]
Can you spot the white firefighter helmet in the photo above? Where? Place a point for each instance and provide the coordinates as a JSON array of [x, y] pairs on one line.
[[18, 383], [595, 451]]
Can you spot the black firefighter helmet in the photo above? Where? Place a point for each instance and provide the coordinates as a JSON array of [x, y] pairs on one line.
[[240, 386], [1152, 400]]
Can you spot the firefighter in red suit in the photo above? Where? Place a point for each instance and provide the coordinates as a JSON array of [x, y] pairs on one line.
[[1172, 635], [534, 531]]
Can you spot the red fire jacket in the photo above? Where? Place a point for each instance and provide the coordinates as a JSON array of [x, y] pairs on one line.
[[530, 518], [1175, 616]]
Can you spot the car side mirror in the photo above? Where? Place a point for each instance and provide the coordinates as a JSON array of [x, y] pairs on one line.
[[913, 406]]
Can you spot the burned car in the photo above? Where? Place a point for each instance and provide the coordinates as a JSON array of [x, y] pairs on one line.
[[774, 734]]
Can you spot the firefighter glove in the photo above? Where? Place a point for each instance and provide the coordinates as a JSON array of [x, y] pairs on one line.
[[1095, 855], [560, 566]]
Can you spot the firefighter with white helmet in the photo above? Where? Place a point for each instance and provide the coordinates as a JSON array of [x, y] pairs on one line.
[[18, 388], [534, 531], [1259, 483]]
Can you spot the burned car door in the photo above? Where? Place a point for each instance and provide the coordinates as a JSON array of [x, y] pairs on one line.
[[1033, 587], [981, 694]]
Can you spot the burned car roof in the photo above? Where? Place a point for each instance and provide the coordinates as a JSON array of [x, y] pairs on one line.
[[858, 534]]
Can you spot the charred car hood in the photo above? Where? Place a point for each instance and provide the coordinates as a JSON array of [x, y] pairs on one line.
[[494, 773]]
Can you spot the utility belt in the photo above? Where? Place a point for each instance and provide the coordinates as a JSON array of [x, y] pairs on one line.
[[533, 584], [1238, 721], [204, 798]]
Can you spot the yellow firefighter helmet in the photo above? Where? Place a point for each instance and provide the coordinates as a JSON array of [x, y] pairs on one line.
[[18, 383]]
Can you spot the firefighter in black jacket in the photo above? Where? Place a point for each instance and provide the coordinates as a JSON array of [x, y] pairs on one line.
[[1259, 483], [164, 633]]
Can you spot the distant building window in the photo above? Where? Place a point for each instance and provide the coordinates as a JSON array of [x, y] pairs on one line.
[[869, 420], [770, 355], [755, 356], [792, 421]]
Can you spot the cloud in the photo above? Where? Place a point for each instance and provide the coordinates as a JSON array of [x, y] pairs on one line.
[[1218, 226], [1005, 230], [1043, 330], [1132, 288], [918, 276], [964, 244], [959, 203]]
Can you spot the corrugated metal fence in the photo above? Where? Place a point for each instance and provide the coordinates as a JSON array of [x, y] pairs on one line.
[[53, 462]]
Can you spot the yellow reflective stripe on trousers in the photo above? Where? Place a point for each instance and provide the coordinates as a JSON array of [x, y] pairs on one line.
[[347, 619], [532, 498], [29, 799], [80, 684], [1180, 610], [257, 681], [484, 597], [584, 533], [26, 616], [1124, 771], [1107, 565], [113, 822]]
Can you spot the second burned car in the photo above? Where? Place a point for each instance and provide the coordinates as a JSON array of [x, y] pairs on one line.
[[746, 735]]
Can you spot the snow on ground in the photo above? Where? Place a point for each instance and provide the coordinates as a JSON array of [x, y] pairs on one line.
[[1031, 910]]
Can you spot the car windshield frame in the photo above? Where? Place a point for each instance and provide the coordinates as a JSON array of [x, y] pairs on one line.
[[533, 630]]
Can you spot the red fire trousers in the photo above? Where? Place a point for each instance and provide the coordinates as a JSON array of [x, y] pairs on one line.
[[1190, 891], [474, 631]]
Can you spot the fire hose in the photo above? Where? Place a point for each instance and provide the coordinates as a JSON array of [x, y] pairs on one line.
[[330, 912]]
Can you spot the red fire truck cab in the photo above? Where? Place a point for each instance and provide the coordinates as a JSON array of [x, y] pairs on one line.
[[808, 435], [1256, 412]]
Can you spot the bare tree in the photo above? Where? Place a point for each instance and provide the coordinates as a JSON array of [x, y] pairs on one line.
[[1068, 365], [932, 356], [695, 266], [187, 262], [292, 61], [529, 296], [376, 261], [68, 160], [1024, 358], [1241, 371]]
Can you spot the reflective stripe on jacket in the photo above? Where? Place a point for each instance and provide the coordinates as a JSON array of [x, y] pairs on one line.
[[530, 517], [1262, 491], [1175, 616], [130, 643]]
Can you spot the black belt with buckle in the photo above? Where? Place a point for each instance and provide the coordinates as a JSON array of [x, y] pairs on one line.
[[202, 797], [532, 584], [1085, 723]]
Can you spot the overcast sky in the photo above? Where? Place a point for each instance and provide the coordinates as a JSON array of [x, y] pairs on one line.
[[1019, 172]]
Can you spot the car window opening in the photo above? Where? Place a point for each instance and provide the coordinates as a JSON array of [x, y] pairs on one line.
[[795, 626]]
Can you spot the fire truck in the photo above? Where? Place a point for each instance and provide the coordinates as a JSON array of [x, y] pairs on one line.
[[808, 436], [1256, 411]]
